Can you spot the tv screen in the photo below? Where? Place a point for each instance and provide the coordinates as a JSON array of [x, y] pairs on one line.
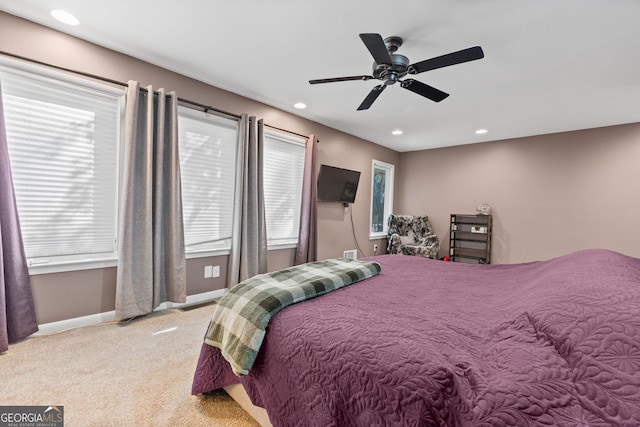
[[337, 184]]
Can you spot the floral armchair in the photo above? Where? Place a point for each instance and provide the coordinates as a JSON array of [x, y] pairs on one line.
[[412, 235]]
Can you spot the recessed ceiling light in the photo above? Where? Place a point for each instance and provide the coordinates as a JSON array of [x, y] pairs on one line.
[[65, 17], [397, 132], [481, 131], [300, 105]]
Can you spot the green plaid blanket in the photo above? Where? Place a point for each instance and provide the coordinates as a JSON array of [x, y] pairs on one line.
[[240, 319]]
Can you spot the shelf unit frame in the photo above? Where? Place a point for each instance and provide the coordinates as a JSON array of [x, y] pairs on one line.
[[470, 238]]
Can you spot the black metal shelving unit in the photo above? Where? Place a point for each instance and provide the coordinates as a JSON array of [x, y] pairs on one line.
[[470, 238]]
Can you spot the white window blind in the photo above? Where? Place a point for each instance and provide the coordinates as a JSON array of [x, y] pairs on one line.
[[63, 144], [283, 171], [207, 167]]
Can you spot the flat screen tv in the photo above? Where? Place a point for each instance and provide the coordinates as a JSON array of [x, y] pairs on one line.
[[337, 184]]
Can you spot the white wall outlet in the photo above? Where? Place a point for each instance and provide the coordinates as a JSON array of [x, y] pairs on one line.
[[208, 271], [215, 271], [375, 248]]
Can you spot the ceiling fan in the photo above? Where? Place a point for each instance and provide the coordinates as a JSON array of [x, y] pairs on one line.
[[389, 67]]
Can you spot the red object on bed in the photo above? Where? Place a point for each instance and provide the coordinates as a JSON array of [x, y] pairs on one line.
[[429, 343]]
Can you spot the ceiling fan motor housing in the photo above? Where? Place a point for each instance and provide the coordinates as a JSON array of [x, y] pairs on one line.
[[390, 73]]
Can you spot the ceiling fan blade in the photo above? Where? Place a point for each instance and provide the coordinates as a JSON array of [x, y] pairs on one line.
[[373, 95], [423, 89], [376, 47], [340, 79], [464, 55]]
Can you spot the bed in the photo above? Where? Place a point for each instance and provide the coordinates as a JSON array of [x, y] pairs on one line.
[[433, 343]]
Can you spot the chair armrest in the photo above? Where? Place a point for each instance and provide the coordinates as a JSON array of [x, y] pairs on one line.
[[430, 239], [393, 244]]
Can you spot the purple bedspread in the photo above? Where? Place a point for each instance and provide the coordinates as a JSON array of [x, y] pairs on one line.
[[432, 343]]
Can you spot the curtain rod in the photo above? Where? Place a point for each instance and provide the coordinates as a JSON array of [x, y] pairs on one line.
[[287, 131], [205, 108]]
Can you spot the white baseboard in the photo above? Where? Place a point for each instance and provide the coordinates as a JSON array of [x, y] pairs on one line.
[[193, 299], [76, 322], [109, 316]]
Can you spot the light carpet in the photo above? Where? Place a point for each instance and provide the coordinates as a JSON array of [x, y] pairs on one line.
[[120, 374]]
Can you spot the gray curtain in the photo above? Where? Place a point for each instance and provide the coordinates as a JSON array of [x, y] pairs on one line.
[[151, 253], [17, 311], [249, 241], [307, 249]]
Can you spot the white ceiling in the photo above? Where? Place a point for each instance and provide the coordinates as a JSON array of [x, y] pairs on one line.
[[549, 65]]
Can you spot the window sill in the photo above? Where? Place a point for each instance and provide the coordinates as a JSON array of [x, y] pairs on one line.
[[76, 265], [278, 246], [92, 264], [377, 236], [208, 253]]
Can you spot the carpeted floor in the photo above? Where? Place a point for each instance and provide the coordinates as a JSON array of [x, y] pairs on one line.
[[133, 374]]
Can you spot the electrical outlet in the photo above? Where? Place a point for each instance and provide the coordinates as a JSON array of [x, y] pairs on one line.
[[375, 248], [215, 271], [208, 271]]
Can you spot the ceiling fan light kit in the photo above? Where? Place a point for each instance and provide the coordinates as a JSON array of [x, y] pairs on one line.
[[389, 67]]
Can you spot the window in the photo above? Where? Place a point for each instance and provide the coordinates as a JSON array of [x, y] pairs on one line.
[[381, 197], [63, 137], [208, 168], [283, 171]]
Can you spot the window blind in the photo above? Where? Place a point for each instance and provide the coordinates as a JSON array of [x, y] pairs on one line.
[[283, 172], [63, 144], [207, 167]]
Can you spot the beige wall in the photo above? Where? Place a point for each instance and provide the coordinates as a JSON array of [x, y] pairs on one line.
[[66, 295], [550, 194]]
